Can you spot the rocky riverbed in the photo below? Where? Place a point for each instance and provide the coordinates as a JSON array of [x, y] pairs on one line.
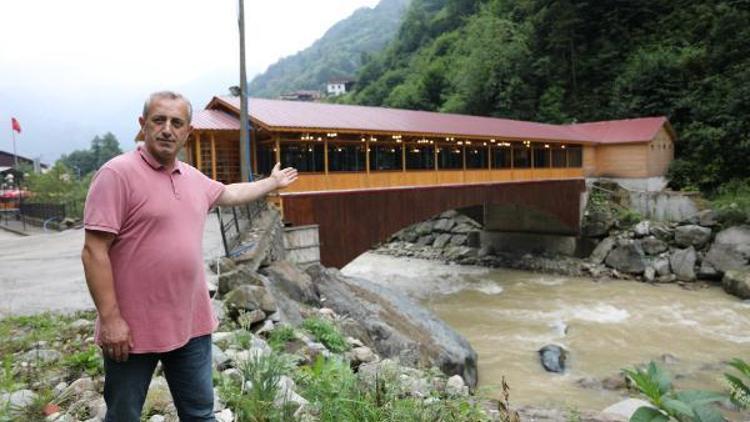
[[694, 253]]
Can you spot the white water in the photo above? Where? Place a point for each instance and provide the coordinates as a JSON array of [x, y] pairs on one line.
[[508, 315]]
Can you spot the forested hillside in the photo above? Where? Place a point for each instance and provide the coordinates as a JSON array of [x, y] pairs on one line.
[[565, 60], [338, 54]]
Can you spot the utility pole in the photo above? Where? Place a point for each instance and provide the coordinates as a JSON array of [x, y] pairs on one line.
[[246, 169]]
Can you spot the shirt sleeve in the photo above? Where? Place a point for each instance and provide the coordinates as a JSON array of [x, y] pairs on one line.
[[213, 190], [106, 202]]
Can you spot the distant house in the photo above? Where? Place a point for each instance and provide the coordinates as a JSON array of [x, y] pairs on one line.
[[7, 159], [301, 95], [337, 87]]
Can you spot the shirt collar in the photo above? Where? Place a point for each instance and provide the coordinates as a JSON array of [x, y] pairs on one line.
[[151, 161]]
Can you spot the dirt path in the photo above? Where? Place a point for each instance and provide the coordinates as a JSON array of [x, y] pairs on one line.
[[44, 272]]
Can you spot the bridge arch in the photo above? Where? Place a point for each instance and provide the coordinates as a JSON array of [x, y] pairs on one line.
[[352, 221]]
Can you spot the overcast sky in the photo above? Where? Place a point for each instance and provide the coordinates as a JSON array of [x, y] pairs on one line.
[[70, 70]]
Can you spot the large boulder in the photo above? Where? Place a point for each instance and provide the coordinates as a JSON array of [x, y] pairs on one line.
[[661, 266], [442, 240], [597, 222], [249, 298], [682, 262], [296, 283], [730, 250], [642, 229], [627, 257], [396, 326], [237, 277], [553, 358], [444, 224], [653, 246], [602, 249], [692, 235], [737, 282]]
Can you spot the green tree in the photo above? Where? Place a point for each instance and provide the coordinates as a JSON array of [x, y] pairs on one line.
[[103, 148]]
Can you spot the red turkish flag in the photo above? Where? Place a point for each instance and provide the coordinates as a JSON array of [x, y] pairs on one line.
[[14, 123]]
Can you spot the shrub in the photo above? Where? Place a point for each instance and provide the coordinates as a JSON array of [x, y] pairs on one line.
[[326, 333], [732, 202], [89, 361], [739, 391], [279, 337], [688, 405]]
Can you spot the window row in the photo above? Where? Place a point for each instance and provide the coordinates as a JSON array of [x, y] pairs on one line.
[[352, 157]]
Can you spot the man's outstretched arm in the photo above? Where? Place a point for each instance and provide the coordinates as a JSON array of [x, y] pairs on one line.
[[241, 193], [114, 334]]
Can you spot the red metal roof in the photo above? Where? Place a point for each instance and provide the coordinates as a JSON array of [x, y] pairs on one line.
[[622, 131], [303, 116], [215, 120]]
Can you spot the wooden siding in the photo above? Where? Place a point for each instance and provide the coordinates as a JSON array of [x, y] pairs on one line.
[[352, 222], [660, 153], [589, 161], [622, 160], [314, 182]]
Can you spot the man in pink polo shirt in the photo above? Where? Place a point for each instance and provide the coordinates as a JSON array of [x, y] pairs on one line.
[[144, 219]]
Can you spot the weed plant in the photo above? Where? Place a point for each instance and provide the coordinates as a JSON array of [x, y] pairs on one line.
[[687, 405], [88, 361], [337, 395], [325, 332], [739, 390], [280, 336]]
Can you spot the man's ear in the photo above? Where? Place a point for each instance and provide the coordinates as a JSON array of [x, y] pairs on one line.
[[141, 121]]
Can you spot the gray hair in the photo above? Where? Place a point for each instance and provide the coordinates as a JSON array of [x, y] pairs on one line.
[[171, 95]]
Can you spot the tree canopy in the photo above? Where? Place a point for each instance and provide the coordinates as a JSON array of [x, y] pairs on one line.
[[84, 161], [563, 60]]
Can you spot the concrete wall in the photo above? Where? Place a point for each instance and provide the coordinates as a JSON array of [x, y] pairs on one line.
[[647, 184], [665, 206], [302, 244], [517, 218]]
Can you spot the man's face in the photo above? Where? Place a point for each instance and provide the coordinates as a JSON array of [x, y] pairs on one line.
[[166, 128]]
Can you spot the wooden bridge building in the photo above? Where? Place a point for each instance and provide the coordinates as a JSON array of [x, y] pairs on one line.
[[393, 162]]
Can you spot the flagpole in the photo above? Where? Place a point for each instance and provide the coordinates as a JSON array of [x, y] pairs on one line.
[[15, 156], [244, 129]]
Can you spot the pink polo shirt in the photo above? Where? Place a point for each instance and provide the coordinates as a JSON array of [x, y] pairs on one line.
[[157, 258]]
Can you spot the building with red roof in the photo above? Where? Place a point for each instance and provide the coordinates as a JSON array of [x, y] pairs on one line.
[[339, 146]]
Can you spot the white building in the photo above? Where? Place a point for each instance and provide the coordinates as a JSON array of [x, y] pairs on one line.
[[337, 87]]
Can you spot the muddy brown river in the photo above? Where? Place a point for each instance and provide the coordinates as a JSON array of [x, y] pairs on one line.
[[508, 315]]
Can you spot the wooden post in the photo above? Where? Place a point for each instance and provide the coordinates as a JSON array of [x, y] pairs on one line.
[[213, 156], [489, 157], [435, 150], [254, 150], [403, 156], [367, 157], [277, 145], [198, 161], [325, 157]]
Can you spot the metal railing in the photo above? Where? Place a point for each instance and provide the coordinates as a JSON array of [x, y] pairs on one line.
[[234, 223]]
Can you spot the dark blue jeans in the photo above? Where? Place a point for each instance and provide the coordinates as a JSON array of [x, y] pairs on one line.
[[188, 373]]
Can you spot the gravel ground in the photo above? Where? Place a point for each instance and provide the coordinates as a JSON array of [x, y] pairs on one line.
[[43, 272]]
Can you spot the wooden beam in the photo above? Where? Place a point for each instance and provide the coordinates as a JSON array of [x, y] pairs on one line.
[[277, 146], [325, 157], [198, 161], [403, 156], [213, 156]]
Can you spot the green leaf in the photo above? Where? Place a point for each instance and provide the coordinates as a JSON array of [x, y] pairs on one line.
[[699, 397], [648, 414], [707, 414], [741, 366], [660, 377], [677, 408]]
